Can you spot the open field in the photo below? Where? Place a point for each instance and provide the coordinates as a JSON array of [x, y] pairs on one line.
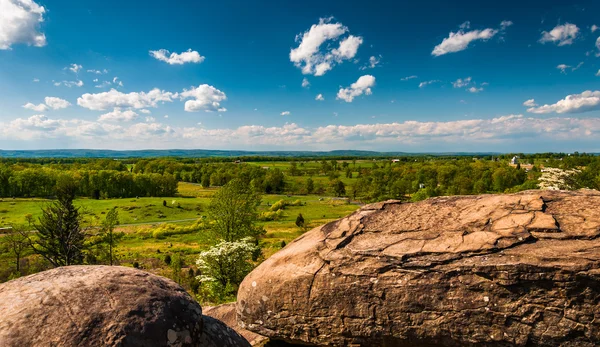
[[139, 218]]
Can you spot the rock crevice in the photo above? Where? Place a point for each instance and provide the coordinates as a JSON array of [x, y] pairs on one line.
[[488, 270]]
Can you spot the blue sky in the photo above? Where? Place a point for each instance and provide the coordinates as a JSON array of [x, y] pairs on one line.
[[312, 75]]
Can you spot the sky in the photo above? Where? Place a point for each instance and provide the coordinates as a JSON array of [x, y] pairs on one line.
[[434, 76]]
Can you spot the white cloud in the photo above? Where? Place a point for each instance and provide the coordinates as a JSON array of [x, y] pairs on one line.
[[166, 116], [118, 115], [69, 84], [20, 23], [598, 73], [305, 83], [113, 98], [98, 72], [188, 56], [37, 108], [74, 67], [563, 67], [312, 59], [451, 134], [530, 103], [36, 80], [426, 83], [408, 78], [561, 34], [50, 102], [598, 46], [505, 24], [475, 90], [459, 83], [117, 82], [56, 103], [460, 40], [150, 119], [145, 111], [594, 28], [373, 62], [362, 86], [575, 103], [286, 113], [206, 97], [320, 97]]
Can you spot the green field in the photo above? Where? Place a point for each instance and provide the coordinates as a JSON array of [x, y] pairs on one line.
[[139, 218]]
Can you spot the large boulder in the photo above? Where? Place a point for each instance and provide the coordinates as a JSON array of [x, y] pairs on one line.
[[489, 270], [226, 313], [104, 306]]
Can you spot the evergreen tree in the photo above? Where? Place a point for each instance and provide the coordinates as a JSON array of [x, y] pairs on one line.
[[60, 238], [300, 221], [310, 185]]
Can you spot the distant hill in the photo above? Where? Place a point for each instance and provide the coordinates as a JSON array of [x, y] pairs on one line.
[[201, 153]]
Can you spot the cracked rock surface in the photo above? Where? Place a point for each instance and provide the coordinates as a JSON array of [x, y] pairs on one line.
[[488, 270], [104, 306]]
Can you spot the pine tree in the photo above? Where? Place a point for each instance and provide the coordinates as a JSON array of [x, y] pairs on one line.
[[60, 238], [300, 221]]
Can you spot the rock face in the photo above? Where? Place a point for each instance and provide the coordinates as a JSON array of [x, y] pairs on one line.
[[227, 314], [490, 270], [101, 306]]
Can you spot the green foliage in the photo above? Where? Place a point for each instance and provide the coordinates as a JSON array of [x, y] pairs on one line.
[[60, 238], [234, 211], [168, 259], [14, 242], [282, 204], [300, 221], [165, 230], [267, 216], [225, 265]]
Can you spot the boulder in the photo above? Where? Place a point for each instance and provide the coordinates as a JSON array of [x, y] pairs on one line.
[[490, 270], [102, 306], [226, 313]]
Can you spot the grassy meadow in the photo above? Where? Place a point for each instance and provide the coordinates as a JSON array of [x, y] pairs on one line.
[[139, 218]]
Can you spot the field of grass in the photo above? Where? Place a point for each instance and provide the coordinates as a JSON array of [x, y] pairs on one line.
[[139, 218]]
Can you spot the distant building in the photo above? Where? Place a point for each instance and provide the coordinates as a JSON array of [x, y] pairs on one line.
[[395, 160], [514, 160]]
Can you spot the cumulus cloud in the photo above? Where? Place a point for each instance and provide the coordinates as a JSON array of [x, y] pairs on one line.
[[50, 102], [460, 40], [56, 103], [286, 113], [118, 115], [37, 108], [426, 83], [305, 83], [315, 57], [320, 97], [594, 28], [36, 80], [598, 46], [475, 90], [205, 97], [575, 103], [530, 103], [188, 56], [20, 23], [561, 34], [373, 62], [362, 86], [408, 78], [114, 98], [74, 67], [145, 111], [460, 83], [451, 134], [598, 73]]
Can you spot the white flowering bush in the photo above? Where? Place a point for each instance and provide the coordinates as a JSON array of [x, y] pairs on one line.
[[224, 266]]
